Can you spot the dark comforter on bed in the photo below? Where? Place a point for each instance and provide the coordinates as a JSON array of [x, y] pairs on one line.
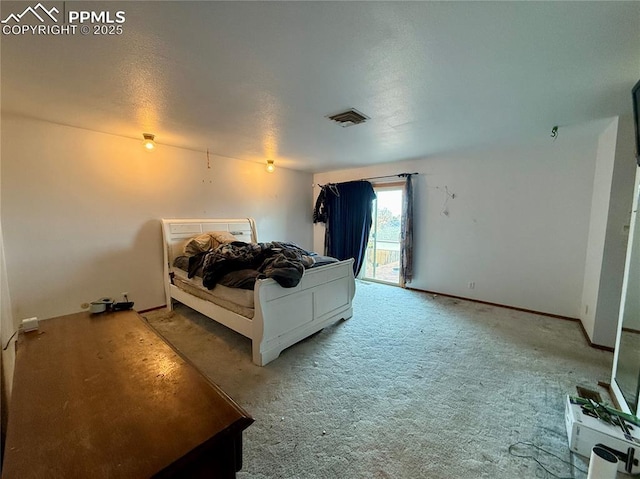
[[243, 263]]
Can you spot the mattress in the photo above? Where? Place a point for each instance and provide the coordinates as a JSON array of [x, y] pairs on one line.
[[240, 301]]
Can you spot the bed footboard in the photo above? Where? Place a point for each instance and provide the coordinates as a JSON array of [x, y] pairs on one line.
[[284, 316]]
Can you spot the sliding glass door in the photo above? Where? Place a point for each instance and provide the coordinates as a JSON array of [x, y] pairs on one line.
[[382, 260]]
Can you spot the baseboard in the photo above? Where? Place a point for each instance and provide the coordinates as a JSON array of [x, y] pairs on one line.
[[594, 345], [541, 313]]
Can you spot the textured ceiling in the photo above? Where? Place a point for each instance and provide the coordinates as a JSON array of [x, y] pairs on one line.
[[256, 80]]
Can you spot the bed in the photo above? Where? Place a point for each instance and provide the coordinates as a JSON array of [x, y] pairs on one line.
[[272, 316]]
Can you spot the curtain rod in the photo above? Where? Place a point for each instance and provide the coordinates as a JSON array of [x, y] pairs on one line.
[[399, 175]]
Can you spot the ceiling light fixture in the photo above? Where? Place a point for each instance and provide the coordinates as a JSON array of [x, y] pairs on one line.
[[270, 166], [148, 142]]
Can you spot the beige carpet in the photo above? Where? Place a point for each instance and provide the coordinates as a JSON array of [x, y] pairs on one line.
[[413, 386]]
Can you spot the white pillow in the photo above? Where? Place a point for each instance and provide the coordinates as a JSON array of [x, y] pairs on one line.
[[207, 241]]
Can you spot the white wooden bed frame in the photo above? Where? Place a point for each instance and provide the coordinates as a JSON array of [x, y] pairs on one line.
[[283, 316]]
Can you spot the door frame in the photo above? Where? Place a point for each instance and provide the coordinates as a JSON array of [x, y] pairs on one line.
[[395, 185]]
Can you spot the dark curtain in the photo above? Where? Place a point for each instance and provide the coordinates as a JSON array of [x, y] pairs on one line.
[[406, 235], [345, 208]]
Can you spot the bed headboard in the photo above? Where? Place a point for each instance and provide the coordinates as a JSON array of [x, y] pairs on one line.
[[176, 232]]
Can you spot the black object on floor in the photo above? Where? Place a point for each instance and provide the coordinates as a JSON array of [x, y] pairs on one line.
[[122, 306]]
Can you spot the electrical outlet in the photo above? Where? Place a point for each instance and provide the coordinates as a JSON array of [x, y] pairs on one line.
[[472, 285]]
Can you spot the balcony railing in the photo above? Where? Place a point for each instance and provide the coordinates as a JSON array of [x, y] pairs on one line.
[[383, 261]]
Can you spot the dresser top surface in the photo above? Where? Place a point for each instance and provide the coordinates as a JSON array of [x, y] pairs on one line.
[[107, 393]]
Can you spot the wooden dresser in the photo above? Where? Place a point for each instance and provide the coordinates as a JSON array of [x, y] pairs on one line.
[[103, 396]]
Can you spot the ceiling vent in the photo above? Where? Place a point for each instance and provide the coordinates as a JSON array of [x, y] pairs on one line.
[[349, 118]]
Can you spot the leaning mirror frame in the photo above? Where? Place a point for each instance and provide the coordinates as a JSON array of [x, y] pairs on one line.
[[625, 375]]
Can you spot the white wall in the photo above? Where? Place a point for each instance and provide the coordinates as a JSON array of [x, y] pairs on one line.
[[613, 186], [81, 210], [603, 174], [618, 223], [7, 358], [517, 227]]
